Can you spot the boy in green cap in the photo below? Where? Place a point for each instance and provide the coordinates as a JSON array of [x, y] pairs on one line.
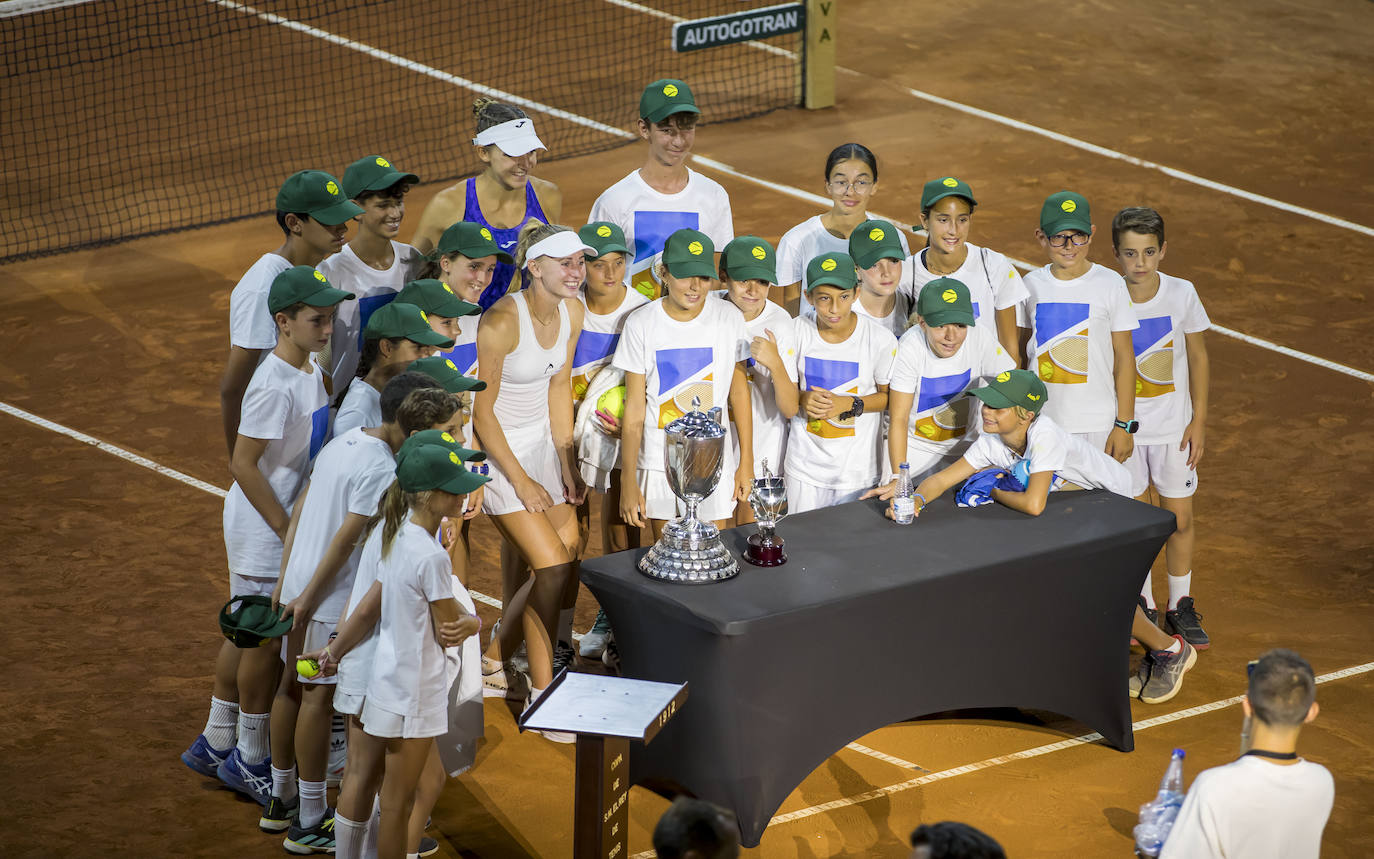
[[665, 195], [748, 271], [1016, 431], [372, 266], [1077, 325], [687, 345], [843, 364], [440, 303], [313, 213], [878, 254], [285, 420], [396, 335], [939, 359]]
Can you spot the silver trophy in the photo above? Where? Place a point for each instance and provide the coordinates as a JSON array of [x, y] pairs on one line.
[[768, 498], [690, 550]]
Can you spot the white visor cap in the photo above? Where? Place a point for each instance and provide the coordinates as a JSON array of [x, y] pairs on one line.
[[563, 243], [515, 138]]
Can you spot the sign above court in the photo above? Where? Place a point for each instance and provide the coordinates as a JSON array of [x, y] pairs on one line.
[[739, 27]]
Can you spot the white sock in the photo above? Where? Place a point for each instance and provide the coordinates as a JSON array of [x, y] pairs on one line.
[[412, 856], [312, 803], [565, 618], [284, 783], [373, 824], [348, 837], [1148, 590], [1178, 588], [1176, 647], [254, 742], [221, 728]]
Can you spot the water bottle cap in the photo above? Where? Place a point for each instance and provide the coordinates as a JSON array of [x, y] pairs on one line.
[[1178, 753]]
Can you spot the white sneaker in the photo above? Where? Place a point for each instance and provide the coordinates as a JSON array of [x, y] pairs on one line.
[[593, 644], [501, 681]]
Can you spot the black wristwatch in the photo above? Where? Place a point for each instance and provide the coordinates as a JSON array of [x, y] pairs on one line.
[[855, 410], [1128, 426]]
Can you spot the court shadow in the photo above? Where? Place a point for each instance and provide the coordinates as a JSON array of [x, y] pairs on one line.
[[1123, 820]]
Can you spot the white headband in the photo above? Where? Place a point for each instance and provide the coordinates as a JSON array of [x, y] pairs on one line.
[[515, 138], [563, 243]]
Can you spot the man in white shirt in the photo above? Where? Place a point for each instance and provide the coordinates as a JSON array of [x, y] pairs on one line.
[[665, 195], [1270, 802]]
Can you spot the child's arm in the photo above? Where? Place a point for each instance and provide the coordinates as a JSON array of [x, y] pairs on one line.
[[1199, 378], [1119, 442], [631, 437], [352, 630], [243, 465], [1009, 335], [899, 418], [303, 606], [764, 350], [448, 616], [742, 409], [1030, 502], [561, 414], [938, 483], [788, 296], [238, 372], [288, 543], [1022, 353]]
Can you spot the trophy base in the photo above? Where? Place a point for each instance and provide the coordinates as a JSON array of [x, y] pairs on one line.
[[689, 553], [765, 554]]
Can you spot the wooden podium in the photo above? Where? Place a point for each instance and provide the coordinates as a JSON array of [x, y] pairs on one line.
[[606, 713]]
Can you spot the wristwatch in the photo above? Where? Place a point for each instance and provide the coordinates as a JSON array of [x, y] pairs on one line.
[[479, 468], [855, 410], [1128, 426]]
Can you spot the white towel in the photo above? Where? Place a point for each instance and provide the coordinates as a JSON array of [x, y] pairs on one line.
[[458, 747], [597, 453]]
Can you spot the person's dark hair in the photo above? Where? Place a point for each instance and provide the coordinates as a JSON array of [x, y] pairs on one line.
[[851, 151], [952, 840], [925, 210], [370, 352], [1282, 688], [490, 112], [394, 392], [1137, 219], [424, 407], [398, 189], [281, 219], [683, 120], [697, 825], [292, 310]]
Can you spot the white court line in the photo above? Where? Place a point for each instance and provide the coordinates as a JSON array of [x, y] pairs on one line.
[[1026, 754], [15, 8], [710, 163], [797, 193]]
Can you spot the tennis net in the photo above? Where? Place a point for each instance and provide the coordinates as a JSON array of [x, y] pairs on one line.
[[130, 119]]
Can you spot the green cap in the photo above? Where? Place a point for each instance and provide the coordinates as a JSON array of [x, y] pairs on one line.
[[398, 319], [1014, 388], [372, 173], [947, 186], [317, 194], [445, 372], [604, 237], [303, 284], [250, 621], [473, 241], [690, 253], [945, 301], [663, 98], [749, 258], [436, 466], [441, 438], [874, 240], [832, 269], [436, 297], [1065, 210]]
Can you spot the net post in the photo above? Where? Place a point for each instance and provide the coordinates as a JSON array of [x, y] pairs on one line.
[[818, 63]]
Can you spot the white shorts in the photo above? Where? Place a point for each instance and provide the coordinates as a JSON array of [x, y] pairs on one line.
[[244, 586], [384, 723], [1165, 467], [803, 496], [318, 634], [661, 503], [540, 461], [348, 704]]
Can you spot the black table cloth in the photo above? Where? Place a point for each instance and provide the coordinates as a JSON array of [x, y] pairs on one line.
[[871, 623]]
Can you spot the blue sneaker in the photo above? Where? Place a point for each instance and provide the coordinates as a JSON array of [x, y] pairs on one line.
[[203, 759], [252, 780]]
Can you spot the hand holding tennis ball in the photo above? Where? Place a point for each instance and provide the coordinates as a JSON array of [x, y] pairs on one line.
[[610, 410], [307, 668]]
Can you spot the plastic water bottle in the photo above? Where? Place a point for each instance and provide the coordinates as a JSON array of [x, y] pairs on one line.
[[904, 502], [1157, 816]]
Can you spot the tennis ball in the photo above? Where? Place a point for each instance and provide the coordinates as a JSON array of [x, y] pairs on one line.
[[307, 668], [613, 402]]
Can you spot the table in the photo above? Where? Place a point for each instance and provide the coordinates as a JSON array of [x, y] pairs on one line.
[[871, 623]]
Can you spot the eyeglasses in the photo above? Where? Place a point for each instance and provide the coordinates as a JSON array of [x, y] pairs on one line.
[[839, 187], [1078, 239]]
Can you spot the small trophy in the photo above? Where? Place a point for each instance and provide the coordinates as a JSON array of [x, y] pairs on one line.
[[690, 550], [768, 498]]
